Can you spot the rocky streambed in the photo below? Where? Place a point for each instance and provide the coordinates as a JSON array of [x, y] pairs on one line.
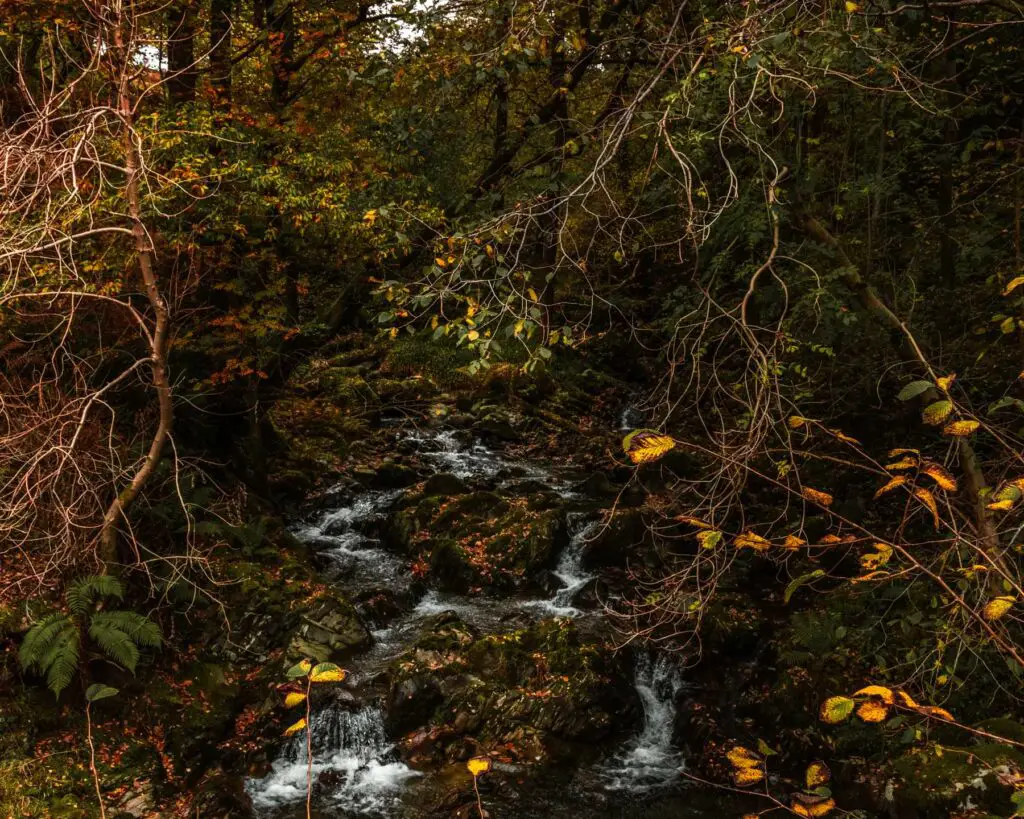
[[476, 577]]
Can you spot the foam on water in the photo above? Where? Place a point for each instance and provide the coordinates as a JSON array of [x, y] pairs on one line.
[[569, 569], [650, 760], [367, 776]]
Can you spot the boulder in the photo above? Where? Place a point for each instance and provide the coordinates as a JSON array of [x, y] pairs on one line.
[[445, 484], [328, 629]]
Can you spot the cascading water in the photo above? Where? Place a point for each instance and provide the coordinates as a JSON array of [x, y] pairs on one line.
[[570, 568], [355, 768], [650, 760]]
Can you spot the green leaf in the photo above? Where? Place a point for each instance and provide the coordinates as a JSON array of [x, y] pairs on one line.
[[98, 691], [914, 389], [299, 670], [797, 582]]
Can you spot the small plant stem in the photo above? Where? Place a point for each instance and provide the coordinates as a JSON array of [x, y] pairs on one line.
[[309, 753], [479, 804], [92, 760]]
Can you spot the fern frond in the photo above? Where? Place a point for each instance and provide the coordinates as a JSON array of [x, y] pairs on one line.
[[113, 642], [61, 661], [83, 593], [40, 639], [138, 627]]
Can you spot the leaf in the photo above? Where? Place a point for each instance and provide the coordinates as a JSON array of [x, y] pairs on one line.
[[299, 670], [864, 578], [906, 700], [817, 774], [693, 521], [941, 476], [836, 709], [928, 499], [796, 421], [792, 542], [873, 711], [997, 607], [327, 672], [842, 436], [887, 695], [293, 698], [805, 804], [1000, 506], [935, 414], [960, 429], [646, 445], [903, 463], [797, 582], [935, 711], [946, 381], [98, 691], [709, 538], [1013, 285], [913, 389], [878, 558], [896, 453], [744, 777], [766, 749], [749, 540], [295, 727], [816, 496], [852, 7], [440, 262], [740, 757], [478, 765], [894, 482]]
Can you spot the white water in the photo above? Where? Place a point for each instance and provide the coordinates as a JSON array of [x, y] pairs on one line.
[[570, 569], [354, 745], [650, 760]]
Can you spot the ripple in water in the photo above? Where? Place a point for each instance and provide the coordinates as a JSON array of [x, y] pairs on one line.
[[650, 760], [356, 767]]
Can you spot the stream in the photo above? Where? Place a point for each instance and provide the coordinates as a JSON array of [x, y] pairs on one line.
[[357, 770]]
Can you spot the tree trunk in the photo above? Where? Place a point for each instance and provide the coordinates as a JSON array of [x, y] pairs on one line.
[[220, 53], [181, 52]]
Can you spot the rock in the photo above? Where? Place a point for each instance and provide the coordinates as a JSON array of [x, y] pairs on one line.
[[589, 596], [221, 796], [327, 630], [497, 428], [450, 567], [413, 701], [616, 544], [445, 484], [545, 582], [598, 485], [393, 475], [137, 802]]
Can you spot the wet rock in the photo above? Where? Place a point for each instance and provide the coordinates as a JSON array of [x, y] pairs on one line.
[[545, 582], [445, 484], [221, 796], [589, 596], [496, 428], [413, 701], [624, 538], [597, 485], [327, 630], [389, 475], [137, 802]]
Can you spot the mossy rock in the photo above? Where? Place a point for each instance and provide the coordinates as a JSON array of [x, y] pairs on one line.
[[328, 630]]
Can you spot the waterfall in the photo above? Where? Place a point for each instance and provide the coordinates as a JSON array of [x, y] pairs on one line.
[[570, 568], [357, 768], [650, 760]]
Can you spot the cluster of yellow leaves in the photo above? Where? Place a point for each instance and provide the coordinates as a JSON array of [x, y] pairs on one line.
[[1007, 496], [747, 766], [478, 765], [998, 606], [910, 459], [873, 703]]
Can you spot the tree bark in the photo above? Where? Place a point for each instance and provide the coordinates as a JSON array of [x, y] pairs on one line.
[[181, 52]]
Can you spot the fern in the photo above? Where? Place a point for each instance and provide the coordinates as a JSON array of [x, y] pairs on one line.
[[53, 645], [84, 592]]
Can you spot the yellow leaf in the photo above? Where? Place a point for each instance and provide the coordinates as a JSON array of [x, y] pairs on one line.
[[941, 476], [440, 262], [693, 521], [817, 774], [327, 672], [744, 777], [935, 711], [478, 765], [472, 335], [876, 575], [749, 540], [946, 381], [796, 421], [880, 691], [393, 332], [896, 453], [906, 700], [830, 540], [1013, 285], [1000, 505], [960, 429], [836, 709], [295, 728], [370, 217], [709, 538], [741, 757], [928, 499], [532, 294], [805, 804], [293, 698], [878, 558], [898, 480], [793, 542], [873, 711], [299, 670], [842, 436], [646, 445], [903, 463], [814, 495], [998, 606], [852, 7], [935, 414]]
